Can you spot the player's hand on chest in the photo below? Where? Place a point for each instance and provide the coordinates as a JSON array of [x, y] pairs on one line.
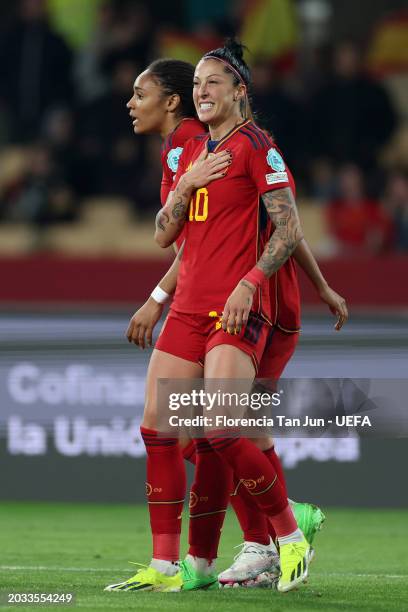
[[223, 195]]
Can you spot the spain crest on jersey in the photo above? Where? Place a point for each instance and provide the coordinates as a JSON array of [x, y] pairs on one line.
[[173, 157]]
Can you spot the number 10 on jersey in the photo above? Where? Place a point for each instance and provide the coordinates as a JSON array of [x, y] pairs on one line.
[[198, 210]]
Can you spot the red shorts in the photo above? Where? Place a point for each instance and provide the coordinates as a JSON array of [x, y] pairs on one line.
[[279, 348], [191, 336]]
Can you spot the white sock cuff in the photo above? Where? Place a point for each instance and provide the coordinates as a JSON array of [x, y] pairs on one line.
[[295, 536]]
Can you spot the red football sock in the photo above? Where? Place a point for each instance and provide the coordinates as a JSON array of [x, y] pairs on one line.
[[254, 523], [274, 459], [189, 452], [165, 490], [284, 523], [253, 468], [209, 499]]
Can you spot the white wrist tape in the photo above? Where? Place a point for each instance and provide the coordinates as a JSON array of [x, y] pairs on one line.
[[160, 296]]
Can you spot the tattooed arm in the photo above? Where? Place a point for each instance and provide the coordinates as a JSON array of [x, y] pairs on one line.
[[281, 207], [282, 210], [286, 240], [170, 219]]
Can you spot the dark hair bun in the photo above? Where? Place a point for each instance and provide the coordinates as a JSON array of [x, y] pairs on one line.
[[235, 48]]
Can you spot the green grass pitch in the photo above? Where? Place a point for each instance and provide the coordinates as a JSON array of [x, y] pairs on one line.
[[361, 561]]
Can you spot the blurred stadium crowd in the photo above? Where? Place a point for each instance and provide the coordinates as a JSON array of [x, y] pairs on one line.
[[338, 110]]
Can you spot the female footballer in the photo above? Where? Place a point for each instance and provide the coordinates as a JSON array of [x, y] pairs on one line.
[[165, 113]]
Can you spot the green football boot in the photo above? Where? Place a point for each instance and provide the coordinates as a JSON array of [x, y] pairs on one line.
[[309, 519], [194, 580]]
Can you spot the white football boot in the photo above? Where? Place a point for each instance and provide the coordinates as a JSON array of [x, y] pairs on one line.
[[253, 560]]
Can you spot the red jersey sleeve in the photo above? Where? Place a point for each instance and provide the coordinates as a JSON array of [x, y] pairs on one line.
[[172, 150], [183, 163], [170, 161], [165, 188], [268, 169]]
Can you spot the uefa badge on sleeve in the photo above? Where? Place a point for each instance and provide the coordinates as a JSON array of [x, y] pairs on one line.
[[173, 157], [275, 160]]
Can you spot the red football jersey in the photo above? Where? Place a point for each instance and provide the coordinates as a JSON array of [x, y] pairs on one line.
[[228, 226], [172, 149]]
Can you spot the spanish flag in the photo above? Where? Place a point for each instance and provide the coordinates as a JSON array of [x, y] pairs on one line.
[[270, 30]]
